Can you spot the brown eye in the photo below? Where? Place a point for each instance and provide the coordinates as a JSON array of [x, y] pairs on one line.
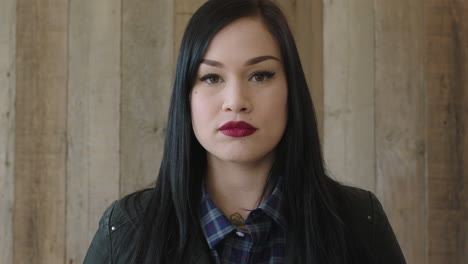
[[210, 79], [213, 80], [259, 78], [262, 76]]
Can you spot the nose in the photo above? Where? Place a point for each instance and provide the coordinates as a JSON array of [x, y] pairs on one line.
[[237, 99]]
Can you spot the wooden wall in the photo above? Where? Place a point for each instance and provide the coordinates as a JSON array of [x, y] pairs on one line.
[[395, 115], [7, 127], [446, 98], [84, 93], [93, 118]]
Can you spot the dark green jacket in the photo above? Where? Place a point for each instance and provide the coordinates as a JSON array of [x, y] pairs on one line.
[[365, 216]]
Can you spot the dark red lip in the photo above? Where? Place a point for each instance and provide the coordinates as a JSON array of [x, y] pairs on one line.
[[237, 129]]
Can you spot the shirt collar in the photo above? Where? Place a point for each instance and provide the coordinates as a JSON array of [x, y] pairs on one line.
[[272, 206], [216, 226]]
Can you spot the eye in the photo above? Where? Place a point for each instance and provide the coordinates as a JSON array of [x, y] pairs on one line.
[[262, 76], [211, 78]]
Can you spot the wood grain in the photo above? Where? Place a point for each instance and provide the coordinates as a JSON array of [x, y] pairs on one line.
[[400, 121], [7, 127], [447, 123], [349, 146], [41, 73], [183, 12], [84, 93], [187, 7], [305, 18], [93, 120], [147, 74]]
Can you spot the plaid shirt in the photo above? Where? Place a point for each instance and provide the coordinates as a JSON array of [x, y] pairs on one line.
[[266, 242]]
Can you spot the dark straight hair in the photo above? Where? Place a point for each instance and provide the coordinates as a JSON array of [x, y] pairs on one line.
[[315, 230]]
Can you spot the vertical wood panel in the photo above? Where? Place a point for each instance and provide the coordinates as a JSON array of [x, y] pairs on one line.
[[187, 7], [349, 147], [147, 74], [183, 12], [54, 193], [93, 119], [305, 18], [308, 33], [39, 215], [181, 20], [400, 121], [447, 123], [314, 61], [7, 127]]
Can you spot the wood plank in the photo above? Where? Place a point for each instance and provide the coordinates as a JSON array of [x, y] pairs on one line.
[[41, 74], [180, 23], [147, 74], [93, 119], [349, 146], [447, 124], [400, 121], [444, 232], [7, 127], [186, 6], [308, 32], [183, 12], [305, 18]]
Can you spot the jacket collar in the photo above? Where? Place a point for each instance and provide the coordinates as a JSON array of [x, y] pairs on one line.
[[198, 251]]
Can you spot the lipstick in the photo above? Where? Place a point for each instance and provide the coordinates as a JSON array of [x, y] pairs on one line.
[[237, 129]]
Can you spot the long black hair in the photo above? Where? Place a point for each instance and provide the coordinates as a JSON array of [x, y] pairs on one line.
[[315, 230]]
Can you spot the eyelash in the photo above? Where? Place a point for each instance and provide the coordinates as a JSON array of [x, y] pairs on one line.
[[208, 76], [267, 74]]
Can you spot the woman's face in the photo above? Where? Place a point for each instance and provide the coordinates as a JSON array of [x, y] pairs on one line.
[[241, 78]]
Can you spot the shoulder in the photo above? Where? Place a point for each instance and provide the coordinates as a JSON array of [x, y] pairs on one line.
[[358, 203], [357, 209], [117, 226], [128, 209], [365, 218]]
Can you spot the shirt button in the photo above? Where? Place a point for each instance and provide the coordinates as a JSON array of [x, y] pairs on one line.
[[239, 233]]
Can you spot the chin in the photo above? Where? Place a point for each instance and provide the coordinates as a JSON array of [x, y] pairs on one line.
[[241, 157]]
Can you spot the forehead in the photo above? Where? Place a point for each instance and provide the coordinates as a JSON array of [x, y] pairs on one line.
[[241, 40]]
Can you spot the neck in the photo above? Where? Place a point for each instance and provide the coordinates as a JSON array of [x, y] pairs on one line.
[[237, 187]]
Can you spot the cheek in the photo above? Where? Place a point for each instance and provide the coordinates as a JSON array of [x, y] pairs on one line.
[[196, 110], [201, 110], [275, 105]]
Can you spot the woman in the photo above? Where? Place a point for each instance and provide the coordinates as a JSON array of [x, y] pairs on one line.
[[242, 178]]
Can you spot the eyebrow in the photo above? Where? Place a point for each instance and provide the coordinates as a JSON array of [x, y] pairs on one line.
[[251, 61]]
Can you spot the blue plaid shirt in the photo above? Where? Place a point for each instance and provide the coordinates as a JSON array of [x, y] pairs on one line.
[[266, 242]]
